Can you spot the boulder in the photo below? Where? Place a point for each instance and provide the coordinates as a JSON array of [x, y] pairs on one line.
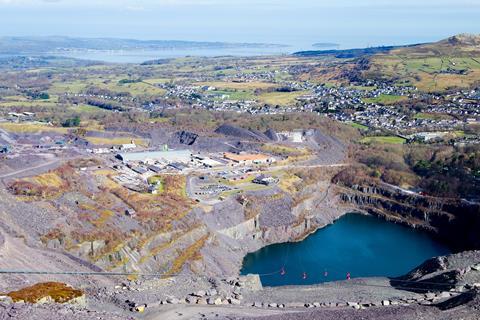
[[238, 296], [200, 293], [252, 282], [173, 301], [140, 309], [231, 280], [212, 292], [191, 300], [45, 300], [295, 305], [385, 302], [6, 300], [272, 305], [430, 295], [234, 301]]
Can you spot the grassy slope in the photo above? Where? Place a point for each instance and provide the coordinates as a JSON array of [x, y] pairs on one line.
[[454, 62], [281, 98], [385, 99], [383, 139]]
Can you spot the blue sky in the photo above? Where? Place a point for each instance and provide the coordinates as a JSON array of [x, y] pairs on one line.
[[352, 23]]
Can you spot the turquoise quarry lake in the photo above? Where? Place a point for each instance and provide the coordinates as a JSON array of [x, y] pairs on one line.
[[363, 246]]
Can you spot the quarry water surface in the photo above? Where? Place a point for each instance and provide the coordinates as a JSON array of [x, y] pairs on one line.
[[356, 246]]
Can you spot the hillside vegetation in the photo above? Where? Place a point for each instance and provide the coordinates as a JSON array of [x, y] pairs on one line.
[[447, 64]]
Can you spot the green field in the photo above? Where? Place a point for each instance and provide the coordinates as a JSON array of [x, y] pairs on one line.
[[19, 101], [359, 126], [383, 140], [76, 86], [87, 109], [233, 94], [156, 81], [385, 99], [224, 85], [112, 84], [31, 128], [363, 88], [432, 116], [281, 98], [430, 67]]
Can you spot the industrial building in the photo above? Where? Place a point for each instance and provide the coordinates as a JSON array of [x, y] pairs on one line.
[[265, 180], [208, 162], [170, 156], [248, 159]]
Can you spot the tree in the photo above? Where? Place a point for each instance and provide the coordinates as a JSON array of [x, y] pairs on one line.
[[72, 122]]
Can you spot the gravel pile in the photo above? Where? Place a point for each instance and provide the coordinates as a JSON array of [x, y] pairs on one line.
[[240, 133], [54, 312]]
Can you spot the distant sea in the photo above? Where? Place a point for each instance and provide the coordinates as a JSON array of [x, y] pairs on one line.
[[139, 56]]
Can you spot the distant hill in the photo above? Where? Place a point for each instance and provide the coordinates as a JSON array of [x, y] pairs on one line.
[[325, 45], [28, 62], [466, 43], [42, 45], [346, 53], [446, 64], [463, 44]]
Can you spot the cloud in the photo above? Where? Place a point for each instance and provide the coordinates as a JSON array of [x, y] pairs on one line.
[[27, 2], [253, 4]]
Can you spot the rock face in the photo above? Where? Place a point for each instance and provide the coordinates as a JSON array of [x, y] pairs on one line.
[[185, 137], [256, 219], [272, 135], [463, 39], [240, 133], [456, 222], [453, 272]]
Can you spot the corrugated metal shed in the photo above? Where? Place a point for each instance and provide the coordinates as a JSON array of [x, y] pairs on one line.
[[183, 156]]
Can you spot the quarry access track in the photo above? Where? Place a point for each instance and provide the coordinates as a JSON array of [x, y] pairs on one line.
[[47, 165]]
